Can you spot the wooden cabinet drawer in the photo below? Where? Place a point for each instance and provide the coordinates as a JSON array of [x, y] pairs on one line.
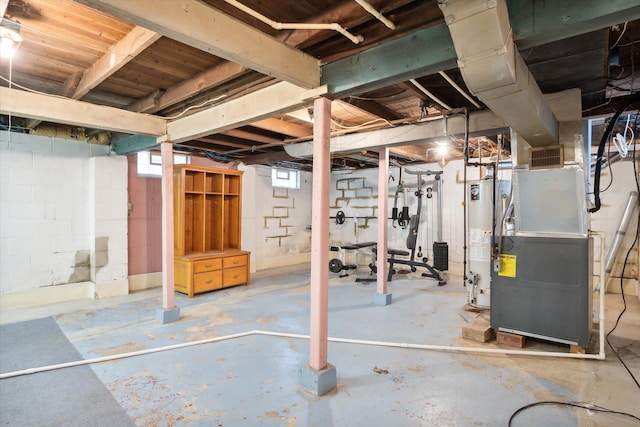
[[234, 276], [234, 261], [207, 265], [203, 282]]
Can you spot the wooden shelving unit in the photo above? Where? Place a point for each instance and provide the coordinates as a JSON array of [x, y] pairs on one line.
[[207, 229]]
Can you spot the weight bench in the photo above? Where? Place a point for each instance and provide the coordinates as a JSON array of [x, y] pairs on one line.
[[338, 265]]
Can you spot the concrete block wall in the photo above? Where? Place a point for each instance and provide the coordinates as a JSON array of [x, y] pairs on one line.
[[356, 194], [108, 211], [277, 219], [50, 219]]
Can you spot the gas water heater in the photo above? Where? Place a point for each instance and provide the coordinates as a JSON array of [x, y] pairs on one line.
[[481, 203]]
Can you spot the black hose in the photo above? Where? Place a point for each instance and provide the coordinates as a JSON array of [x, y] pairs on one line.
[[601, 146]]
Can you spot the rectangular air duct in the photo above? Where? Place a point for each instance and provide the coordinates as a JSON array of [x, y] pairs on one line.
[[494, 71]]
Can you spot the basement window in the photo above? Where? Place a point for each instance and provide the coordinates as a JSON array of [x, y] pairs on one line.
[[150, 164], [283, 178]]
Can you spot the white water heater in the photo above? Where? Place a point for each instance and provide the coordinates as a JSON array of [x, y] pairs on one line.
[[480, 211]]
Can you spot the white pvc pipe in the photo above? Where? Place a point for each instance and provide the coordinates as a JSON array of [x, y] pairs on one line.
[[294, 26], [121, 356], [459, 89], [366, 6], [599, 356], [429, 94]]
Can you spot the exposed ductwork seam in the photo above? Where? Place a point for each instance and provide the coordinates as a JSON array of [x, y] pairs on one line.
[[494, 71], [295, 26]]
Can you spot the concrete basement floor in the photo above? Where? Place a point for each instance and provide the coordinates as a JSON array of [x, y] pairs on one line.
[[253, 380]]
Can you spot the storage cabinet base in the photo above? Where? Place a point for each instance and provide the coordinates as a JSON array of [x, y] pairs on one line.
[[195, 274]]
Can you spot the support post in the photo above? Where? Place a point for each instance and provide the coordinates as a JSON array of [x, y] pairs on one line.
[[169, 312], [382, 297], [319, 377]]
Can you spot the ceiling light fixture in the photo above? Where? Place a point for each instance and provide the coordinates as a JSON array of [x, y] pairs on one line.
[[10, 37]]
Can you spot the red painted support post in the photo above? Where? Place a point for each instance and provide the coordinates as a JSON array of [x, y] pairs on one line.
[[167, 226], [383, 208], [320, 234]]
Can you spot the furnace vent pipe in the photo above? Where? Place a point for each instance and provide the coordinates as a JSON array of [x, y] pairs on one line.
[[632, 204], [494, 71]]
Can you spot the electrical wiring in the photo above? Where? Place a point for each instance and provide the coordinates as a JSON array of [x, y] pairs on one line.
[[12, 83], [581, 405], [624, 265], [363, 124], [621, 34]]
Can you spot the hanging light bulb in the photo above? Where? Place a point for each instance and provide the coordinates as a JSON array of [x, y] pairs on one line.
[[10, 38]]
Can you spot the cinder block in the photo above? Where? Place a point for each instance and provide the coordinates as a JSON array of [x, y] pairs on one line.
[[168, 315], [281, 211], [15, 192], [355, 183], [342, 184], [512, 340], [366, 192], [382, 299], [318, 382]]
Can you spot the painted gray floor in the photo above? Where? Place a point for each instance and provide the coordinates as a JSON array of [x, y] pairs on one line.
[[252, 381]]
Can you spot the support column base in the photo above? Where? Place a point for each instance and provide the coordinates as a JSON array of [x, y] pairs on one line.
[[382, 299], [318, 382], [168, 315]]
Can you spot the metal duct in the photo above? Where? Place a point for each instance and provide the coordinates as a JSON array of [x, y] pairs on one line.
[[494, 71]]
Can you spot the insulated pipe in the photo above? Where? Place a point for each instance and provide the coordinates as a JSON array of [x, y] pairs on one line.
[[459, 89], [429, 94], [294, 26], [632, 204], [366, 6]]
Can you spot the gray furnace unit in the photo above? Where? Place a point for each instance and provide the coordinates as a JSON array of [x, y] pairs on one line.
[[544, 286]]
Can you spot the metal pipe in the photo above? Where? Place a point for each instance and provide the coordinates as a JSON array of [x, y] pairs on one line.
[[429, 94], [601, 289], [439, 190], [632, 204], [295, 26], [459, 89], [366, 6]]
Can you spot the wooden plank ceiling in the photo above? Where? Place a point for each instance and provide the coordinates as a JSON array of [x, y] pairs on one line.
[[74, 51]]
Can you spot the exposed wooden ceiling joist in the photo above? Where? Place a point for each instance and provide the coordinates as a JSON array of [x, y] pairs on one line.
[[271, 101], [283, 127], [120, 54], [196, 24], [43, 107]]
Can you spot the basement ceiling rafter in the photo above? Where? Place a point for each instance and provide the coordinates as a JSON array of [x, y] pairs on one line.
[[196, 24]]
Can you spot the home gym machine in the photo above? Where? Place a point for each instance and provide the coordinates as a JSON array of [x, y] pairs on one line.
[[440, 249]]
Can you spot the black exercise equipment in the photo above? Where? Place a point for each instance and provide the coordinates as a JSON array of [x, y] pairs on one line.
[[338, 265], [414, 224]]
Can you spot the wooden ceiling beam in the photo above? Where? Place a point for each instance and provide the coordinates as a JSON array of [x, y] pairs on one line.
[[283, 127], [271, 101], [201, 82], [137, 40], [418, 152], [375, 108], [250, 136], [77, 113], [270, 157], [220, 141], [196, 24]]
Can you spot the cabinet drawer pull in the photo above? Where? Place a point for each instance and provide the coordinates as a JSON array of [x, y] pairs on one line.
[[236, 276], [208, 265], [208, 282], [236, 262]]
